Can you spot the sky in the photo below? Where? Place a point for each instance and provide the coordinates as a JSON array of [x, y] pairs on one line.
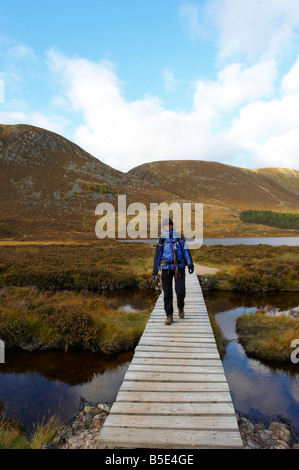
[[136, 81]]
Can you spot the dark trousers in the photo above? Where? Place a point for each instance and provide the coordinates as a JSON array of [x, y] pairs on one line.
[[180, 289]]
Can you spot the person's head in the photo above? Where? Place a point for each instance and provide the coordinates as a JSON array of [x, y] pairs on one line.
[[167, 224]]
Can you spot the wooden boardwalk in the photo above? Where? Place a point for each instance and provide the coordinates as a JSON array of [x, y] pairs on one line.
[[174, 394]]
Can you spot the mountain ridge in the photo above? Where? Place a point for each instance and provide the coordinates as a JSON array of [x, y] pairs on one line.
[[50, 187], [218, 183]]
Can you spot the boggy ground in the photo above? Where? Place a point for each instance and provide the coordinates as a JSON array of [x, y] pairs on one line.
[[49, 293]]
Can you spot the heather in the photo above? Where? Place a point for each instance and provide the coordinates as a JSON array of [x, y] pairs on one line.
[[252, 268], [98, 266], [13, 435], [65, 320], [268, 337]]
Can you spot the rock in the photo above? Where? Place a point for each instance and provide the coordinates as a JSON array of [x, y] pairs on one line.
[[78, 425], [258, 436], [259, 427], [46, 446], [246, 426], [66, 432], [206, 283], [86, 429], [105, 408], [250, 444], [265, 438], [282, 432], [281, 445]]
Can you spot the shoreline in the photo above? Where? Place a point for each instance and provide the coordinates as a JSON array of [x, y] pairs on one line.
[[85, 432]]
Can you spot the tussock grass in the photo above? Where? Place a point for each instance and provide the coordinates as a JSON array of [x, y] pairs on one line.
[[252, 267], [267, 337], [49, 295], [13, 434], [67, 320], [95, 266], [44, 432]]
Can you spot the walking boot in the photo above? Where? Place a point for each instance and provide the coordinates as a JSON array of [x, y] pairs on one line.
[[181, 313], [169, 320]]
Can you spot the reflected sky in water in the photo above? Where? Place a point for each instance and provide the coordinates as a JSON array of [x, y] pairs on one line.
[[33, 385], [45, 384], [259, 390]]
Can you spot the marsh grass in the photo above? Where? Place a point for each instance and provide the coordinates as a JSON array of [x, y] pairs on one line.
[[94, 267], [13, 434], [67, 320], [267, 337], [44, 432], [252, 268]]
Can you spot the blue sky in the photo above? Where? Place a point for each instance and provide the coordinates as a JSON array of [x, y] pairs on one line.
[[133, 81]]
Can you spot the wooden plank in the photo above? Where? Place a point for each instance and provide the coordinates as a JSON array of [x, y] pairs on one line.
[[178, 330], [196, 348], [174, 386], [179, 355], [203, 337], [179, 335], [176, 362], [188, 409], [174, 393], [178, 397], [176, 368], [172, 353], [173, 422], [170, 439], [174, 377], [166, 342]]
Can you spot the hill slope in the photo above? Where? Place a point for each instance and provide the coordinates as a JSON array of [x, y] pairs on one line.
[[224, 185], [50, 188], [50, 185]]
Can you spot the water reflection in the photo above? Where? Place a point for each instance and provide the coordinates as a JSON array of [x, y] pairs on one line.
[[37, 384], [33, 385], [260, 390]]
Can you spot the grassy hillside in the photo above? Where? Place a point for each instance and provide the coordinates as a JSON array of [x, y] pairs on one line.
[[223, 185], [50, 189]]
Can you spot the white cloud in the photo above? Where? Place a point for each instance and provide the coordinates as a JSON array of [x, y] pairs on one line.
[[290, 82], [261, 119], [235, 119], [279, 151], [235, 85], [254, 28], [56, 123], [124, 133]]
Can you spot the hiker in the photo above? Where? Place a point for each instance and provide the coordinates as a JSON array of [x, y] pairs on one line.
[[173, 256]]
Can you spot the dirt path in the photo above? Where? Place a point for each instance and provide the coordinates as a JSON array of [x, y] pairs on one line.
[[201, 270]]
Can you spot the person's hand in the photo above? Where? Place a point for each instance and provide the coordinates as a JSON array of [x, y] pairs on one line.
[[191, 269]]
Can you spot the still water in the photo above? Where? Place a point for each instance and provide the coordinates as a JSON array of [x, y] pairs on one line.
[[197, 242], [273, 241], [260, 390], [33, 385]]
